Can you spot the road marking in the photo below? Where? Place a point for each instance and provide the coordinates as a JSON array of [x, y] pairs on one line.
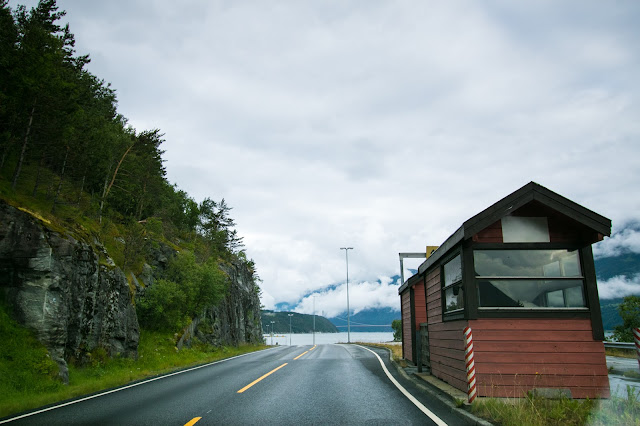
[[257, 380], [305, 352], [193, 421], [122, 388], [437, 420]]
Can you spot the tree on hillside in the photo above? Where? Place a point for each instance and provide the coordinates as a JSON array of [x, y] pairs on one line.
[[43, 79], [63, 143], [187, 288], [8, 42], [217, 227], [397, 330], [629, 311]]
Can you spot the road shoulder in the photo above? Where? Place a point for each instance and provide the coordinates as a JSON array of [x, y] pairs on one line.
[[419, 384]]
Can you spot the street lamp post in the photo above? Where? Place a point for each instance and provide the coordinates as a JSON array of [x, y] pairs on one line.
[[266, 326], [272, 326], [314, 320], [346, 252], [290, 315]]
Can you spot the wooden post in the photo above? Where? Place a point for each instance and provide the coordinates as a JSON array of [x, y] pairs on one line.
[[470, 364], [419, 350]]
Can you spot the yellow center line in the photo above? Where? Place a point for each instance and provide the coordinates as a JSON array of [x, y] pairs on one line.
[[300, 355], [305, 352], [193, 421], [257, 380]]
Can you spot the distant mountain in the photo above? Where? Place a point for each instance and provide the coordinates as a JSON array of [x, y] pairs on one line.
[[606, 268], [369, 320], [627, 264], [609, 309], [300, 323], [379, 319]]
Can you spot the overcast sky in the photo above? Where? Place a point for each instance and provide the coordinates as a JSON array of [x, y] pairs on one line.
[[378, 125]]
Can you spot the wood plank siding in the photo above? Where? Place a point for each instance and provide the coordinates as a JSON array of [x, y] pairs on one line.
[[407, 338], [513, 356], [419, 304], [413, 314], [446, 343]]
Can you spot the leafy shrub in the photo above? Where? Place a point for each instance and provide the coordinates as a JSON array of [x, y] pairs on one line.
[[629, 311], [188, 287], [162, 306], [154, 225], [397, 330]]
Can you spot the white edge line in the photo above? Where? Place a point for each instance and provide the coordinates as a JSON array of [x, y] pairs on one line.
[[75, 401], [437, 420]]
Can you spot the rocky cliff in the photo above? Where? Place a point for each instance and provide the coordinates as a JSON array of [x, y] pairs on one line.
[[236, 319], [72, 295], [58, 287]]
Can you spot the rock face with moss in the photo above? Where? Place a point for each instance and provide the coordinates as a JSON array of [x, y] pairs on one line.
[[235, 320], [58, 287]]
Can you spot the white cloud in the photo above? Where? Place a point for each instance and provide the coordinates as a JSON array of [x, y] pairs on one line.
[[362, 295], [626, 240], [619, 286], [382, 126]]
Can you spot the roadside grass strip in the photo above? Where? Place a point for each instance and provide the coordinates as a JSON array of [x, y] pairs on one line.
[[261, 378], [437, 420], [75, 401]]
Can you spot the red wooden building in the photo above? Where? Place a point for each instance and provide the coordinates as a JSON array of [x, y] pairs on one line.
[[520, 274]]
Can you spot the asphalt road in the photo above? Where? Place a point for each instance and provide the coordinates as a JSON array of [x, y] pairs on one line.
[[325, 384]]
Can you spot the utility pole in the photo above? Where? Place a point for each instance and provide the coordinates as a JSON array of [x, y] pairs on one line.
[[290, 315], [272, 326], [346, 252]]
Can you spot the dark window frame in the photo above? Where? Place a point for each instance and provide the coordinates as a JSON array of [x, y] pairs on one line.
[[592, 309], [459, 313], [524, 278]]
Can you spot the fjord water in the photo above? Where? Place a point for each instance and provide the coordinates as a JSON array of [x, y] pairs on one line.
[[327, 338]]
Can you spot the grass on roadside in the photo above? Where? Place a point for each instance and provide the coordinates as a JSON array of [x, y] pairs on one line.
[[396, 351], [533, 410], [621, 353], [539, 411], [22, 390]]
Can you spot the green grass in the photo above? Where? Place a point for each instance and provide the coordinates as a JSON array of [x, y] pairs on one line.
[[538, 411], [28, 378], [25, 365], [622, 353], [396, 351], [533, 411]]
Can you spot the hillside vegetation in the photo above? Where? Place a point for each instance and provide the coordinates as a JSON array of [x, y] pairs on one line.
[[300, 323], [72, 162], [68, 157]]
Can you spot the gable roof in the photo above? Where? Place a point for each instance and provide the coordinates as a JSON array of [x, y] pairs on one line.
[[528, 193]]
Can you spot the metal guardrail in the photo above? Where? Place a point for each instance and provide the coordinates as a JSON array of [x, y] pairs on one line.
[[620, 345]]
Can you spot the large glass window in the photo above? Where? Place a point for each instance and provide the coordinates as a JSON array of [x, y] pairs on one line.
[[452, 283], [529, 278]]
